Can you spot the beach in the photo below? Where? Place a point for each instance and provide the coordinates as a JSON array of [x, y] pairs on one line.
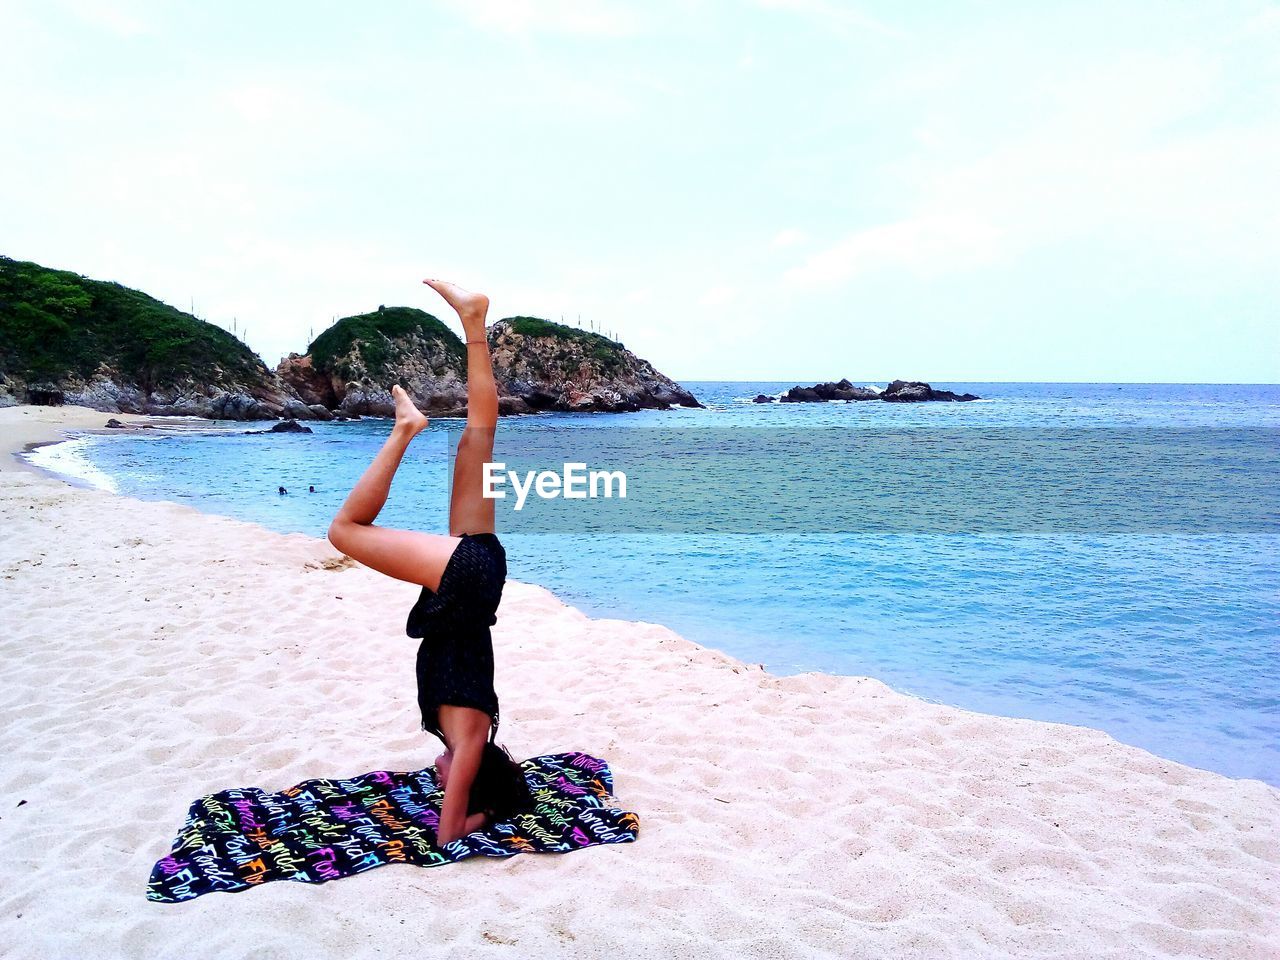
[[153, 654]]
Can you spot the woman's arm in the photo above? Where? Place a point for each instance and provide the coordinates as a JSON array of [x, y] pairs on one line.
[[454, 822]]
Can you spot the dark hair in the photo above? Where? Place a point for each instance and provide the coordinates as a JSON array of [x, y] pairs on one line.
[[499, 790]]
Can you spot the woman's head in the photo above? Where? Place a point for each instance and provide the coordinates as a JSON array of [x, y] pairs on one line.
[[499, 789]]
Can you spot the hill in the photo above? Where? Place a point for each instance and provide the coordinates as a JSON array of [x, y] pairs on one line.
[[352, 365], [109, 347]]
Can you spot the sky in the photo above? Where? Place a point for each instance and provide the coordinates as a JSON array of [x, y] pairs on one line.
[[783, 190]]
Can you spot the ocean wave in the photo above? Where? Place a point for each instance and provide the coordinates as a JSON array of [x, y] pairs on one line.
[[68, 458]]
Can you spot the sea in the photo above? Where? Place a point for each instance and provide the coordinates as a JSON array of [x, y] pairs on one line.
[[1102, 555]]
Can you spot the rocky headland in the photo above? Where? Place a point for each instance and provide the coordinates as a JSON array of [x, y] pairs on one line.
[[67, 339], [542, 365], [539, 365]]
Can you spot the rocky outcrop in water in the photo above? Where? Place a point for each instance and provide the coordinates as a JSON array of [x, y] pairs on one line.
[[285, 426], [900, 391], [822, 392], [914, 391]]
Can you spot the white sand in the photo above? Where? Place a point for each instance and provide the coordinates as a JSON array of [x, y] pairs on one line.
[[151, 654]]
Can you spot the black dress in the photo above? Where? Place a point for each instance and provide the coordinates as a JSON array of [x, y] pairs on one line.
[[455, 658]]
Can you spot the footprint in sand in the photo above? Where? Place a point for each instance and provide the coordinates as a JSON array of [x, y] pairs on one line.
[[330, 563]]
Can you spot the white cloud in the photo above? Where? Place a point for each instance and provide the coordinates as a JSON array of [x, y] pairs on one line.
[[113, 15], [267, 103], [550, 16], [1265, 20], [1117, 156], [928, 244], [718, 296], [789, 238], [1125, 157], [838, 13]]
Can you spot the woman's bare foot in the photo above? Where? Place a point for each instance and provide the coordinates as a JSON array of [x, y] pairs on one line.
[[471, 307], [408, 415]]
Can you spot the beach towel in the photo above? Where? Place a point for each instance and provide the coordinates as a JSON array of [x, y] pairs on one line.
[[321, 830]]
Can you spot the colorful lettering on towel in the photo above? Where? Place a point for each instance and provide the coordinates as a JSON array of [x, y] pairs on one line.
[[323, 830]]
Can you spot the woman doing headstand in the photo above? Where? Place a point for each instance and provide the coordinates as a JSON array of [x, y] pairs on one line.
[[461, 577]]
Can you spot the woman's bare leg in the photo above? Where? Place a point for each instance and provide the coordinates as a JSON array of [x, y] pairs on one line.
[[469, 510], [403, 554]]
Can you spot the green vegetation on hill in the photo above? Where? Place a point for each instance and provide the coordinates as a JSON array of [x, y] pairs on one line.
[[374, 333], [608, 353], [54, 324]]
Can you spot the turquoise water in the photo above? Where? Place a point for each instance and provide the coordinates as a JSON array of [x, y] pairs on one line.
[[1133, 587]]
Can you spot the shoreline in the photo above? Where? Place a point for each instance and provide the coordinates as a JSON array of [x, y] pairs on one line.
[[791, 814]]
